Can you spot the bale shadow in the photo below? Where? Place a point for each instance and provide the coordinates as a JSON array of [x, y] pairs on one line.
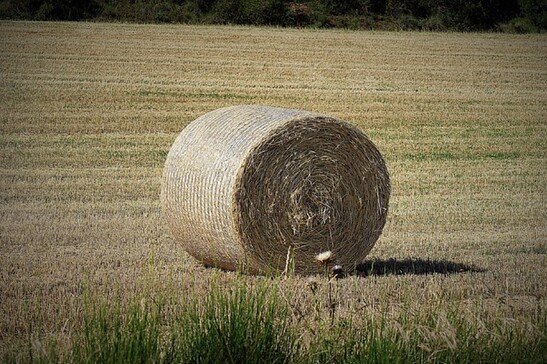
[[413, 266]]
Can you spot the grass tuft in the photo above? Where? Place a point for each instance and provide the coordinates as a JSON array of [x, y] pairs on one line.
[[235, 326], [115, 335]]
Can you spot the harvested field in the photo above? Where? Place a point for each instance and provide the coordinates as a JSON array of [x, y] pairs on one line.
[[89, 112]]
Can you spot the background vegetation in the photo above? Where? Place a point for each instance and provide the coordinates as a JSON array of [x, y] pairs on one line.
[[518, 16]]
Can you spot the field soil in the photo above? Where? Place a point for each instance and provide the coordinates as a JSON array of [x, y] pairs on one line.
[[88, 112]]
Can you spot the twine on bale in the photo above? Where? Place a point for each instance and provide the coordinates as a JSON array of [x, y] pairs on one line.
[[243, 186]]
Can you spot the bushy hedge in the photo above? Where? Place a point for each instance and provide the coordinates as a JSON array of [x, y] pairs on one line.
[[460, 15]]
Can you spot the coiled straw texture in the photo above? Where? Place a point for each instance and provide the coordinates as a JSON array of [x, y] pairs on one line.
[[261, 189]]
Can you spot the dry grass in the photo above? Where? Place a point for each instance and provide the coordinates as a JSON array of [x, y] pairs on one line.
[[89, 112]]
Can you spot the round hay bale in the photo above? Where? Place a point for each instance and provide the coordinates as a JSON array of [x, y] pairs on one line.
[[255, 187]]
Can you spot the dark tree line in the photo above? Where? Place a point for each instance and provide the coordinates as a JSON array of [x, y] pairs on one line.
[[462, 15]]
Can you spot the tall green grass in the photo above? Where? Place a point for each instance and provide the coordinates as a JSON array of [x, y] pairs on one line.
[[239, 325], [250, 323], [113, 336]]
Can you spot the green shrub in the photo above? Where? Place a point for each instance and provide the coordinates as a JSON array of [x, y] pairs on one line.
[[435, 22], [535, 11], [519, 26], [257, 12]]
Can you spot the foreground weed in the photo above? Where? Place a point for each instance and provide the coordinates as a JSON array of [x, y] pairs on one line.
[[325, 259]]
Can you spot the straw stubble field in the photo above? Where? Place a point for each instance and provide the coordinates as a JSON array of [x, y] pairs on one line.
[[89, 112]]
